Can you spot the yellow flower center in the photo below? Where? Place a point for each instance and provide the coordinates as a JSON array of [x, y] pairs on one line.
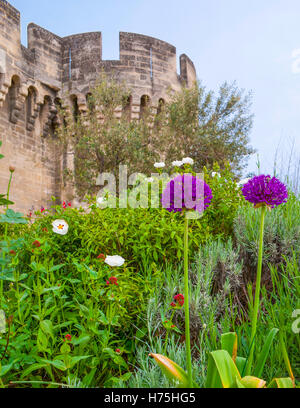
[[60, 227]]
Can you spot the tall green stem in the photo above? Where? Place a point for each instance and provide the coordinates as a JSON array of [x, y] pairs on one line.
[[5, 239], [257, 290], [186, 303]]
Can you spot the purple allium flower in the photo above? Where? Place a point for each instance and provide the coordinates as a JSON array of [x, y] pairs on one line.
[[264, 190], [186, 191]]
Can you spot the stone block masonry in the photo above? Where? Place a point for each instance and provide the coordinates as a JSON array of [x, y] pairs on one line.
[[50, 69]]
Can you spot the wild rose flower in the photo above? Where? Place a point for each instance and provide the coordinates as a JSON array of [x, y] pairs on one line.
[[37, 244], [187, 160], [112, 281], [265, 191], [177, 163], [160, 165], [186, 191], [114, 260], [60, 227]]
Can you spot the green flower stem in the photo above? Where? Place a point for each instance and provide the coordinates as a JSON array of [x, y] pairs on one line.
[[257, 290], [5, 239], [167, 334], [186, 304], [8, 187]]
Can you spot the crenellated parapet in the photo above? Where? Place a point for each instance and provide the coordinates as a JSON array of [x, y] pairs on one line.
[[52, 70], [72, 64]]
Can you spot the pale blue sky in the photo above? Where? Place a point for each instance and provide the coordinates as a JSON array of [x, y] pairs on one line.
[[250, 41]]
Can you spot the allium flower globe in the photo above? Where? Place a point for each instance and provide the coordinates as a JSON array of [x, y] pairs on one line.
[[186, 192], [265, 190]]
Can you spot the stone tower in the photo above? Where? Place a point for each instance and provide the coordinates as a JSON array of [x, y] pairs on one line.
[[52, 69]]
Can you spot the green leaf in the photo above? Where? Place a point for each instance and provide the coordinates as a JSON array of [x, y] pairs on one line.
[[3, 200], [240, 362], [229, 343], [93, 273], [264, 353], [56, 267], [281, 383], [47, 327], [54, 288], [32, 367], [221, 371], [81, 340], [6, 368], [2, 322], [102, 318], [59, 364], [172, 370], [11, 217], [252, 382], [76, 359]]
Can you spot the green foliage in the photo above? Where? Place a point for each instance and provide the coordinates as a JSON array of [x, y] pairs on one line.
[[208, 128], [12, 217], [193, 122], [222, 372], [47, 300], [281, 235]]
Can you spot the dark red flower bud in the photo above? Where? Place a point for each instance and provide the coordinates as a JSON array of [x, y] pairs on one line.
[[37, 244]]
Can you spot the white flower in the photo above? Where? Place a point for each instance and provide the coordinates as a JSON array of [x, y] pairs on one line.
[[101, 200], [187, 160], [150, 179], [242, 182], [159, 165], [115, 260], [60, 227], [177, 163], [213, 174], [204, 326]]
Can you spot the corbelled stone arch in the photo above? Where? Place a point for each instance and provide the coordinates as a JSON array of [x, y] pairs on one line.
[[48, 113], [145, 104], [74, 106], [14, 102], [32, 107], [127, 108]]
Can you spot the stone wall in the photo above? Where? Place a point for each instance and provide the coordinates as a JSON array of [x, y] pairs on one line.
[[52, 68]]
